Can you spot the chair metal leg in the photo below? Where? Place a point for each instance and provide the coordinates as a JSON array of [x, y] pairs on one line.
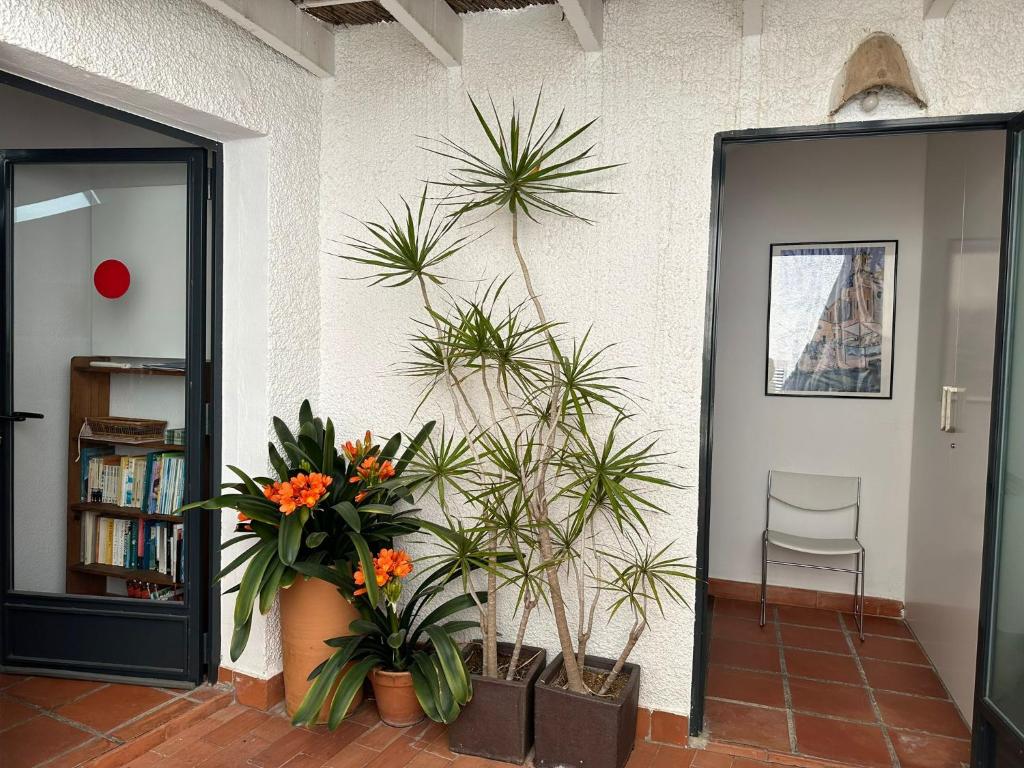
[[764, 577], [860, 598]]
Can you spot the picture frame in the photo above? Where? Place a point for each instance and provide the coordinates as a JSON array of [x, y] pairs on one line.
[[831, 319]]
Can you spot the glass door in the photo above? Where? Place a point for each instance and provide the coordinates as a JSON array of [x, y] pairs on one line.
[[999, 710], [103, 385]]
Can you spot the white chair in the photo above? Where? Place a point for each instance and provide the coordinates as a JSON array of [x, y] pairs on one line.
[[828, 505]]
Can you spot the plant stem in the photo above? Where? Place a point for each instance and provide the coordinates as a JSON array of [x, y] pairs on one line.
[[488, 615], [634, 635], [573, 675], [513, 663]]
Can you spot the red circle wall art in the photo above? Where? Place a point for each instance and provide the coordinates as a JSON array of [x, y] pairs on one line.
[[111, 279]]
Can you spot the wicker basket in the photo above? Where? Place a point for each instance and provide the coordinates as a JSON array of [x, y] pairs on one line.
[[125, 430]]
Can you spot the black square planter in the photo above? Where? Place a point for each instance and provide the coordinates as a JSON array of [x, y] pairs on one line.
[[573, 729], [498, 721]]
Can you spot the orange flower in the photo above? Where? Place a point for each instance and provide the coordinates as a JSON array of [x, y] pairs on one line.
[[388, 564], [387, 471], [300, 491], [360, 496], [242, 517], [355, 450], [403, 565]]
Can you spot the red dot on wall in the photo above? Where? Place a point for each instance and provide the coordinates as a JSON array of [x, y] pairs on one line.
[[111, 279]]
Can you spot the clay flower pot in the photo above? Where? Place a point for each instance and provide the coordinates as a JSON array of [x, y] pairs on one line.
[[396, 698], [498, 722], [312, 611], [576, 729]]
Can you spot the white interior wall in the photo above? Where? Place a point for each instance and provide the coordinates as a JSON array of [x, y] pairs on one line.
[[813, 191], [51, 324], [962, 219]]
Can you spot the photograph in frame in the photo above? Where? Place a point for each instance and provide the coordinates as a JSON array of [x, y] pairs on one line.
[[831, 312]]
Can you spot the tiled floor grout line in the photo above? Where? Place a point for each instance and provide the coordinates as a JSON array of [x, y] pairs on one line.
[[833, 653], [787, 697], [871, 695], [830, 682]]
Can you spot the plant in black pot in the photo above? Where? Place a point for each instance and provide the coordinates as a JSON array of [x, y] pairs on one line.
[[552, 494]]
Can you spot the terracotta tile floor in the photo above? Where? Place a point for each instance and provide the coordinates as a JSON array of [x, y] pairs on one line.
[[240, 737], [58, 723], [806, 686]]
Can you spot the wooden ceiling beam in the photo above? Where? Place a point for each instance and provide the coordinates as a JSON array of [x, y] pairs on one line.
[[586, 17], [433, 23], [289, 31], [937, 9], [324, 3], [753, 17]]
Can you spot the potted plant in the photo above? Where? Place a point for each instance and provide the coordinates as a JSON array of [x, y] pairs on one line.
[[556, 496], [326, 510], [411, 659]]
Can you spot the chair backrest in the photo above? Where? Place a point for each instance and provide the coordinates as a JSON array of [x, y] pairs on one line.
[[822, 506]]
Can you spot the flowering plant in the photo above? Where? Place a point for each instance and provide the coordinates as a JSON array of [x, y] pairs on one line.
[[327, 510], [398, 640]]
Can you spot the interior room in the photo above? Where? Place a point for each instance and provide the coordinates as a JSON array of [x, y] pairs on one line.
[[856, 325], [98, 330]]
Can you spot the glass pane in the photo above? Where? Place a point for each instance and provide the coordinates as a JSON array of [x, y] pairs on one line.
[[98, 349], [1006, 673]]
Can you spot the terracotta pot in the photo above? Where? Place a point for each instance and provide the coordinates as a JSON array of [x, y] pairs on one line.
[[312, 611], [396, 699]]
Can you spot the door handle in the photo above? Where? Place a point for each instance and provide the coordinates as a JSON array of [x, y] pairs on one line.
[[947, 417], [19, 416]]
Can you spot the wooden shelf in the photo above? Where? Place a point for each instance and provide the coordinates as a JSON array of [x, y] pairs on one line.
[[150, 446], [113, 510], [85, 367], [89, 396], [113, 571]]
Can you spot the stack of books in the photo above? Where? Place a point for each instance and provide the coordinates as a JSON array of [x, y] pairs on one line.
[[135, 544], [153, 482]]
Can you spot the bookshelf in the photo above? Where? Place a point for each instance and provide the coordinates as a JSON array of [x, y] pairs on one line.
[[90, 397]]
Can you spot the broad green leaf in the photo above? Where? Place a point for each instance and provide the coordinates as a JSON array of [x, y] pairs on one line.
[[349, 514], [252, 579], [351, 684], [290, 538]]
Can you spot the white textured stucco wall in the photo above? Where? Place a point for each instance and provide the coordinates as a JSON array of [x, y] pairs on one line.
[[182, 64], [673, 72], [671, 75]]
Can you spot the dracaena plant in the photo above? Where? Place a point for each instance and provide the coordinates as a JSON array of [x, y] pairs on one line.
[[327, 509], [550, 497], [415, 638]]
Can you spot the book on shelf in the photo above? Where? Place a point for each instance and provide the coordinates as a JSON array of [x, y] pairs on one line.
[[153, 483], [141, 545]]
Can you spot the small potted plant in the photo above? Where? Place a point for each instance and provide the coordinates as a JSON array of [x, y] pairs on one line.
[[411, 659], [327, 509]]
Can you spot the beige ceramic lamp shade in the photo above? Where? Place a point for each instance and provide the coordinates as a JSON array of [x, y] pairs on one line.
[[877, 63]]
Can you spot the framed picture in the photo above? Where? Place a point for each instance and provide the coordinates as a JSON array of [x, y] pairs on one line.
[[831, 308]]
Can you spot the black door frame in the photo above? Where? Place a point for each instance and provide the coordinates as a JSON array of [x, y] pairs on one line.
[[205, 161], [1006, 122], [995, 738]]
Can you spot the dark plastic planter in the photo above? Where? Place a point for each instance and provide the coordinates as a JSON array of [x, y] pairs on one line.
[[498, 721], [579, 730]]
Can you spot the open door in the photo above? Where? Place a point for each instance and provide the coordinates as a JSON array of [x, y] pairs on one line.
[[104, 384], [999, 686]]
